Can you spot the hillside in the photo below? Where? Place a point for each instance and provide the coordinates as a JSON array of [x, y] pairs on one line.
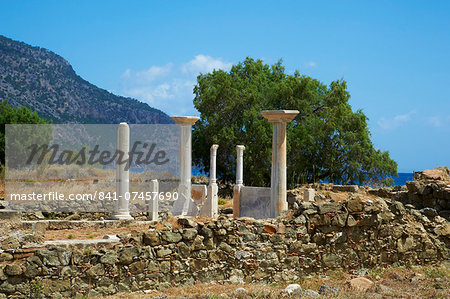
[[45, 82]]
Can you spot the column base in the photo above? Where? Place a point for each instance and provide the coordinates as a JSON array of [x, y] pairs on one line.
[[121, 217]]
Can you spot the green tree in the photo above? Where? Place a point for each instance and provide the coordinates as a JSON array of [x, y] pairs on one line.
[[326, 140], [23, 115]]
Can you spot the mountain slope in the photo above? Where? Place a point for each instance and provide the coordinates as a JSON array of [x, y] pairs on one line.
[[46, 83]]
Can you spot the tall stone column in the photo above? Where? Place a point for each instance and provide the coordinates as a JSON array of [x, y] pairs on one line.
[[184, 205], [239, 179], [153, 204], [211, 206], [279, 118], [122, 175]]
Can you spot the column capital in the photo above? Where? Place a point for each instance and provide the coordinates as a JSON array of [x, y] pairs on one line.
[[214, 147], [240, 147], [185, 120], [275, 116]]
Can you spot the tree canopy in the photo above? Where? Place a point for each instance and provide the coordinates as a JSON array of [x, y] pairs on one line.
[[326, 140], [23, 115]]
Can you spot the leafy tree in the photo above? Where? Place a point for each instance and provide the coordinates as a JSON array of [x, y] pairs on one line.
[[326, 140], [23, 115]]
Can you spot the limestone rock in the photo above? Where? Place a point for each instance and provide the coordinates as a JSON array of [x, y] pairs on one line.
[[293, 290], [360, 284], [310, 294], [5, 257], [151, 238], [355, 205], [13, 270], [329, 207], [189, 234], [328, 290], [127, 255], [109, 258], [96, 270], [171, 237]]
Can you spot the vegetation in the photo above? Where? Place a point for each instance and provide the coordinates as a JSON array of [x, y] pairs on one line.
[[23, 115], [327, 140]]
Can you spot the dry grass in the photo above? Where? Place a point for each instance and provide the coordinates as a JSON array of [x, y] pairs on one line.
[[94, 233], [393, 282]]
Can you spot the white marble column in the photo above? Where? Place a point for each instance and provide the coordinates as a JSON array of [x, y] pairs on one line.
[[211, 206], [153, 203], [123, 175], [279, 118], [185, 205], [239, 179]]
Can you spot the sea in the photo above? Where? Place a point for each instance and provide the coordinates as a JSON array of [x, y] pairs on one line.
[[401, 180]]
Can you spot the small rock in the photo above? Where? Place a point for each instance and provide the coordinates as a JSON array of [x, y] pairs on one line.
[[5, 257], [13, 270], [227, 211], [328, 290], [293, 289], [310, 294], [240, 292], [429, 212], [360, 284], [187, 223]]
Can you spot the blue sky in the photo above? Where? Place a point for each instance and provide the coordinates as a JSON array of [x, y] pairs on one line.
[[395, 55]]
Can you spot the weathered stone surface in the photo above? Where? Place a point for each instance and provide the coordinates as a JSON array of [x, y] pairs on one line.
[[240, 250], [55, 256], [109, 258], [13, 270], [310, 294], [331, 260], [163, 252], [346, 188], [187, 223], [96, 270], [361, 284], [5, 257], [328, 290], [293, 290], [137, 267], [2, 275], [339, 220], [355, 205], [429, 212], [151, 238], [329, 207], [31, 270], [171, 237], [127, 255], [189, 234], [198, 243]]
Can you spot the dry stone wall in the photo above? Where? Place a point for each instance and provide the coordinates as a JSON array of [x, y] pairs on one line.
[[315, 237]]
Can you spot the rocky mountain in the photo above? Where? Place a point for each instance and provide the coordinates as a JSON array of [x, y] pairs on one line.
[[45, 82]]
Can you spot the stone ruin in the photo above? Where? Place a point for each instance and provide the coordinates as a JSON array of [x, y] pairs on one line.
[[327, 227]]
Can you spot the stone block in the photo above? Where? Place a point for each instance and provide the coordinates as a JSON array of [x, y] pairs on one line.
[[254, 202]]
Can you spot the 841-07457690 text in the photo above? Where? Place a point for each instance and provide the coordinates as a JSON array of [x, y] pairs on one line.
[[102, 196]]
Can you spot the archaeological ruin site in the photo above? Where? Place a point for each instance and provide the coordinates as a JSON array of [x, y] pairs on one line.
[[195, 237]]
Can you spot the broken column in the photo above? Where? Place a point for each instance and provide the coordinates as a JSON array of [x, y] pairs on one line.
[[153, 204], [184, 205], [123, 174], [279, 118], [309, 194], [211, 206], [239, 178]]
